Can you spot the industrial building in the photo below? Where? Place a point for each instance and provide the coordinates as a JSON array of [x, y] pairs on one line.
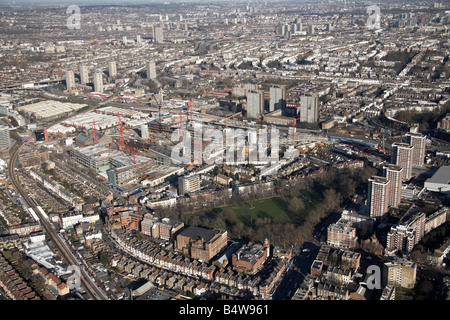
[[50, 109]]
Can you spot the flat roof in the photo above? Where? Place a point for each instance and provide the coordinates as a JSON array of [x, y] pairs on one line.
[[441, 176]]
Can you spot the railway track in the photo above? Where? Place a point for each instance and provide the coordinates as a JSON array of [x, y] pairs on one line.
[[90, 287]]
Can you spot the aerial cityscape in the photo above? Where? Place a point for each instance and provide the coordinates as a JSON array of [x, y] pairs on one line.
[[225, 150]]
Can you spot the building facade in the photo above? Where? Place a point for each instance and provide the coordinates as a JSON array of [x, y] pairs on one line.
[[402, 155], [395, 176], [255, 103], [419, 142], [378, 196]]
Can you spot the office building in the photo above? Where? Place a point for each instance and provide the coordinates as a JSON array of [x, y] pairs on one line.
[[277, 98], [158, 36], [151, 70], [378, 196], [395, 176], [255, 103], [400, 273], [112, 68], [309, 108], [418, 141], [188, 184], [70, 80], [402, 155], [98, 82], [84, 75]]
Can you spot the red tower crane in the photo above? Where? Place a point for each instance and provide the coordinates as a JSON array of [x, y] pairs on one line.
[[190, 107], [181, 127], [122, 140], [93, 127], [121, 129], [294, 121]]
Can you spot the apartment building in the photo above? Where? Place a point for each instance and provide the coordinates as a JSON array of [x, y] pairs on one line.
[[84, 74], [394, 174], [160, 228], [402, 155], [341, 235], [418, 141], [400, 273], [112, 68], [277, 99], [188, 184], [98, 82], [436, 219], [151, 70], [255, 103], [70, 79], [406, 235], [378, 196], [309, 108]]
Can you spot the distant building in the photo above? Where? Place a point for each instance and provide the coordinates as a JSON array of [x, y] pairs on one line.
[[70, 80], [255, 103], [158, 36], [98, 82], [402, 155], [378, 196], [395, 176], [84, 74], [277, 98], [5, 138], [151, 70], [112, 68], [309, 108], [419, 142]]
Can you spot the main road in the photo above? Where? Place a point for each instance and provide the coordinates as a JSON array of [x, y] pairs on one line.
[[87, 283]]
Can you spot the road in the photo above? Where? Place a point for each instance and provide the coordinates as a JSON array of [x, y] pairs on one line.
[[86, 281], [300, 268]]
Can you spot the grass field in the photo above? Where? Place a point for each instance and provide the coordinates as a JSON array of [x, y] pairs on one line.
[[271, 208]]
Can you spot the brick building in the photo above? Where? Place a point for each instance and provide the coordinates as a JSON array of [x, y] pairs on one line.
[[250, 257], [200, 243]]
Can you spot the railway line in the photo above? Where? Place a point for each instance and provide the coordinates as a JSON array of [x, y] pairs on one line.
[[37, 212]]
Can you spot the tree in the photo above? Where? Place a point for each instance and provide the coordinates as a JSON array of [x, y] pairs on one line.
[[296, 205]]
